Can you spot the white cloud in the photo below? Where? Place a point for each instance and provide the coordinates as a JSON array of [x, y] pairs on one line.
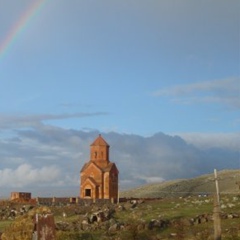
[[229, 141], [150, 179], [223, 91], [27, 121], [26, 175]]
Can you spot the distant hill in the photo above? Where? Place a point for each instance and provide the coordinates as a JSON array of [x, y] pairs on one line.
[[228, 180]]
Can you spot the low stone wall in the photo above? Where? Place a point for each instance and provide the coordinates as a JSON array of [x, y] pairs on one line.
[[44, 201], [71, 200]]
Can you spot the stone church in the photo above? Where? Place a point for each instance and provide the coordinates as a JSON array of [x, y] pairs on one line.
[[99, 176]]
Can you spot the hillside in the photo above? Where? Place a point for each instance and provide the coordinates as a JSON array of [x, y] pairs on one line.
[[204, 184]]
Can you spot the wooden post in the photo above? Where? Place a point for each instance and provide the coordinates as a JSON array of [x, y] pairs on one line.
[[216, 211], [217, 187]]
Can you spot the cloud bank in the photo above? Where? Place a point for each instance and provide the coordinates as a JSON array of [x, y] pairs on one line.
[[47, 159], [25, 175]]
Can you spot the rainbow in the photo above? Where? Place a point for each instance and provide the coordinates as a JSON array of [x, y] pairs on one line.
[[20, 25]]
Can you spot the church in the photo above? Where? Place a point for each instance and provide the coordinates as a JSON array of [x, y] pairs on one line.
[[99, 176]]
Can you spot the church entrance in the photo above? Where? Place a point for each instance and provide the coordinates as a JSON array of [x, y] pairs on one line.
[[88, 192]]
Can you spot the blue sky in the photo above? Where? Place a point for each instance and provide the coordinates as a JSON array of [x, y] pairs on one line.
[[130, 67], [118, 57]]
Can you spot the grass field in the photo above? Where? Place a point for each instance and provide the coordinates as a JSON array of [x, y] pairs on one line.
[[179, 208], [178, 211]]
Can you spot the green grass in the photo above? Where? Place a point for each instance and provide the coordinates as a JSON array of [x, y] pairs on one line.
[[169, 209], [78, 236], [71, 218], [4, 224], [177, 210]]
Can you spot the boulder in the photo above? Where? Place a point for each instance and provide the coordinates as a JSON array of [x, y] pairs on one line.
[[115, 227]]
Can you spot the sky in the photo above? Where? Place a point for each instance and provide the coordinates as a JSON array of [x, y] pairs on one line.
[[165, 73]]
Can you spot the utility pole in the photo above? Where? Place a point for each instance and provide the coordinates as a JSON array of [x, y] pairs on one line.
[[216, 211]]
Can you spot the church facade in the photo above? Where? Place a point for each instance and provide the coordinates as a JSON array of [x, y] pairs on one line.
[[99, 176]]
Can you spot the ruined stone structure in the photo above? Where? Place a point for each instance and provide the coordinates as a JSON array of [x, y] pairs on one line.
[[99, 176], [21, 196], [44, 227]]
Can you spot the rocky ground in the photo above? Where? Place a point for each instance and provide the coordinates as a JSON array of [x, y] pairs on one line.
[[175, 218]]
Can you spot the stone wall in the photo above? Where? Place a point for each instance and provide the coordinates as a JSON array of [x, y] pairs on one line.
[[64, 201]]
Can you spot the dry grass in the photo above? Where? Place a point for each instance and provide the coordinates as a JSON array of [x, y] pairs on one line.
[[188, 187]]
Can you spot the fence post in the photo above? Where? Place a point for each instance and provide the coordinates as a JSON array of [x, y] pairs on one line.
[[216, 211]]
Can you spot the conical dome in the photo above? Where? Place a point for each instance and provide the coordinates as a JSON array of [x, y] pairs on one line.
[[99, 141]]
